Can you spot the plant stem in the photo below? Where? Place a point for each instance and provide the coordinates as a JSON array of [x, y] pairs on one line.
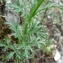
[[34, 10], [32, 14], [17, 60]]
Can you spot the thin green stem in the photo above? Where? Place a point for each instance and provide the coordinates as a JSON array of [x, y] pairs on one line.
[[34, 10], [17, 60], [32, 14]]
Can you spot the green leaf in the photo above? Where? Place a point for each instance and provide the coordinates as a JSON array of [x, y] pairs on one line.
[[18, 54], [35, 9], [26, 53], [33, 5], [2, 45], [12, 26], [49, 5], [10, 55], [7, 40], [13, 6]]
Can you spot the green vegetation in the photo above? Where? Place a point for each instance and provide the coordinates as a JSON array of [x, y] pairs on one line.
[[31, 35]]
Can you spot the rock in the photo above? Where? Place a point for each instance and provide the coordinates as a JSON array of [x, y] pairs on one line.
[[57, 55]]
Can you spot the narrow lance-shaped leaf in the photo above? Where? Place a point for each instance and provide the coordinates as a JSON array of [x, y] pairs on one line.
[[35, 9], [32, 14]]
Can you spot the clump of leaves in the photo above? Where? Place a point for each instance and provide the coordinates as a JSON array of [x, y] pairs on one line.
[[24, 49], [30, 34]]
